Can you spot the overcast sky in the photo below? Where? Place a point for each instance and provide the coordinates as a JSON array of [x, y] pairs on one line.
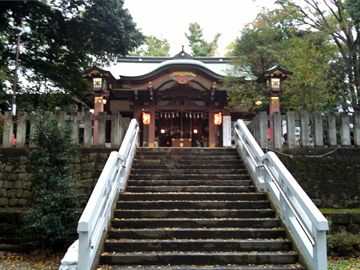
[[170, 19]]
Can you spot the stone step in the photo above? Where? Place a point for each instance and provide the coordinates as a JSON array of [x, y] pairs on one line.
[[203, 176], [186, 151], [190, 189], [215, 166], [193, 205], [196, 223], [174, 157], [205, 267], [190, 182], [194, 213], [189, 161], [188, 171], [128, 196], [197, 233], [200, 258], [197, 245]]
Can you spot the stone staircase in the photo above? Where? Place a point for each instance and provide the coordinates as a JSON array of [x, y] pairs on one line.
[[194, 208]]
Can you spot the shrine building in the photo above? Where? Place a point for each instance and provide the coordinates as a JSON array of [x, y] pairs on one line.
[[178, 101]]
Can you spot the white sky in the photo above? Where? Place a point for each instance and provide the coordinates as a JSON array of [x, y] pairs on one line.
[[170, 19]]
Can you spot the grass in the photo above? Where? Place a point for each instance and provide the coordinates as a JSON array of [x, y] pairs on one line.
[[338, 211], [340, 263]]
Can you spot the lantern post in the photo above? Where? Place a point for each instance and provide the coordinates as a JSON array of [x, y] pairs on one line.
[[273, 78]]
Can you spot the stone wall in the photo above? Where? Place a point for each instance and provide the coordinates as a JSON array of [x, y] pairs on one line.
[[344, 222], [331, 181], [14, 171]]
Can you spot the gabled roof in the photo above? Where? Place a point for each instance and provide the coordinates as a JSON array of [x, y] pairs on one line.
[[275, 70]]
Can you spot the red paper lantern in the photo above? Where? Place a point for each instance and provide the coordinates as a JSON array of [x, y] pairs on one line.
[[217, 119], [146, 118]]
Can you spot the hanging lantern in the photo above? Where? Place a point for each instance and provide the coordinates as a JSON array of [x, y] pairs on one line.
[[173, 115], [160, 115], [177, 114], [169, 115], [186, 115], [198, 115], [202, 115], [259, 102], [146, 118], [217, 119], [190, 115]]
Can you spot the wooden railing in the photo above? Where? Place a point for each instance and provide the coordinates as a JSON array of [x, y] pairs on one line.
[[306, 130], [298, 212], [18, 130]]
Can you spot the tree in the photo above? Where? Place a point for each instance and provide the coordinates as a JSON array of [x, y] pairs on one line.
[[272, 38], [340, 20], [53, 217], [199, 46], [52, 58], [154, 47]]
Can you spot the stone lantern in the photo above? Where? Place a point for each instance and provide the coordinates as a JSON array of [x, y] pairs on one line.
[[273, 78]]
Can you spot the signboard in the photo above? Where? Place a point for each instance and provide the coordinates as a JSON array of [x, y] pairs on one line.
[[227, 131]]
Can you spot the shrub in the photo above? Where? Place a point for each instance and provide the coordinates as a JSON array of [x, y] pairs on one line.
[[343, 243], [53, 218]]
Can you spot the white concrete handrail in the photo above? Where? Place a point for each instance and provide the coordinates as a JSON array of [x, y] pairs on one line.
[[97, 214], [300, 214]]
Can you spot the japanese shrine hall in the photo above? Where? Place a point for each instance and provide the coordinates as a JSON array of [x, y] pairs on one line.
[[179, 101]]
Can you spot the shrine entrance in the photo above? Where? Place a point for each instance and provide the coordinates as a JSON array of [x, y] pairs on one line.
[[182, 129]]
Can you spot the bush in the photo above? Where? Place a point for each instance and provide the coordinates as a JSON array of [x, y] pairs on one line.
[[343, 243], [53, 218]]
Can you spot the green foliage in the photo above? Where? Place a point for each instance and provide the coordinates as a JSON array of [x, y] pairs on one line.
[[154, 47], [339, 20], [343, 243], [53, 218], [199, 46], [275, 38], [51, 58]]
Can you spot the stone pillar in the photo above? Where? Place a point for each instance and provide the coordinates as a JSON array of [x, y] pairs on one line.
[[212, 142], [98, 107], [274, 107]]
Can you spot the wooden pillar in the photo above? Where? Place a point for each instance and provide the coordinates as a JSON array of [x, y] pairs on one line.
[[98, 107], [290, 121], [152, 129], [212, 142]]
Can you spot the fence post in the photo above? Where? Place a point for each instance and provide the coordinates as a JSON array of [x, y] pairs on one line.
[[304, 129], [123, 128], [290, 121], [8, 130], [115, 129], [263, 124], [356, 128], [32, 130], [318, 129], [75, 125], [277, 129], [101, 129], [21, 129], [331, 136], [88, 129], [345, 130]]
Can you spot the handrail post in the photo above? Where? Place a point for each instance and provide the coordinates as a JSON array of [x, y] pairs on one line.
[[84, 248]]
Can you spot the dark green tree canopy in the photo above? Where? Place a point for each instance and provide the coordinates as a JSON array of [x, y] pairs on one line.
[[199, 46], [67, 36]]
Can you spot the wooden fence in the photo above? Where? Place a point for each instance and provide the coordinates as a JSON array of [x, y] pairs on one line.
[[306, 130], [111, 129]]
